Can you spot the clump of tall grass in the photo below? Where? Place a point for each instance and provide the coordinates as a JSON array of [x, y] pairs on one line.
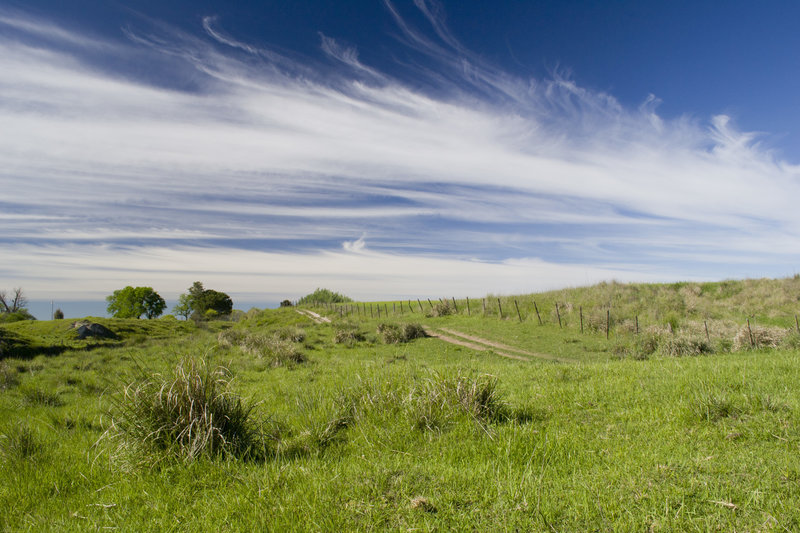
[[441, 399], [36, 395], [397, 333], [9, 377], [713, 406], [441, 308], [291, 333], [278, 349], [347, 333], [188, 414], [21, 441], [684, 345], [755, 337]]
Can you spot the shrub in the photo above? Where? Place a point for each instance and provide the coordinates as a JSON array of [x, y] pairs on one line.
[[397, 333], [321, 296], [189, 414], [58, 315], [756, 337]]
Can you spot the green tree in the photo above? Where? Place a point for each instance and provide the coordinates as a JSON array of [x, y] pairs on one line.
[[323, 296], [184, 306], [201, 300], [133, 302]]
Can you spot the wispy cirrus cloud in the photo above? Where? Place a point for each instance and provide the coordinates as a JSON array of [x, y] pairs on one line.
[[449, 162]]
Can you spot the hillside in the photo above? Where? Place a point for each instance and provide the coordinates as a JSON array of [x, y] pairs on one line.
[[338, 419]]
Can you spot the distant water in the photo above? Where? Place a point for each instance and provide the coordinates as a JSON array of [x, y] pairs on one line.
[[79, 309]]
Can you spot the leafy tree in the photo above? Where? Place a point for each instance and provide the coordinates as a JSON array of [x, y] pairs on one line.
[[286, 303], [58, 315], [201, 300], [133, 302], [184, 306], [323, 296]]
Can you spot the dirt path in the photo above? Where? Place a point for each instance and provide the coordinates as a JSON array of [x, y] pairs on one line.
[[481, 345], [313, 316]]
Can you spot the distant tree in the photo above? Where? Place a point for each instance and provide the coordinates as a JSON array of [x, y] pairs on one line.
[[201, 300], [13, 303], [133, 302], [58, 315], [184, 306], [323, 296], [286, 303]]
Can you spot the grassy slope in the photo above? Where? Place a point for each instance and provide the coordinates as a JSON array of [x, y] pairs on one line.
[[604, 443]]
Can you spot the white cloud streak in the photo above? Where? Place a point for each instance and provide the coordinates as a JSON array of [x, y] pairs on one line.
[[266, 147]]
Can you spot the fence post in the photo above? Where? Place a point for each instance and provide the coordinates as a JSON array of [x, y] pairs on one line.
[[454, 304], [429, 302], [386, 308], [518, 315], [468, 312], [484, 307], [536, 308], [796, 323], [608, 321], [500, 307], [750, 332], [580, 308], [420, 306], [558, 314], [708, 338], [637, 325]]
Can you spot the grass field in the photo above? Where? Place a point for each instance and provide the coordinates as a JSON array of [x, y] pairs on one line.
[[350, 425]]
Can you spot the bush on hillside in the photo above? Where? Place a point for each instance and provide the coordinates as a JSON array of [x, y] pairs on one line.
[[441, 308], [323, 296]]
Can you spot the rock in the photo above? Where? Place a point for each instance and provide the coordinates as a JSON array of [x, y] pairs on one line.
[[90, 329]]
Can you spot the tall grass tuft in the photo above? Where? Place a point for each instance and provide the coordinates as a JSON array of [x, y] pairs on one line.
[[189, 414], [440, 399], [756, 337], [20, 442], [441, 308], [397, 333], [347, 333]]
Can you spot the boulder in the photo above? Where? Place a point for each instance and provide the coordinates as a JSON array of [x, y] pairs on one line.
[[87, 329]]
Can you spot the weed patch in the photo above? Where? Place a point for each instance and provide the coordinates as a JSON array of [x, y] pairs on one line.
[[757, 337], [347, 333]]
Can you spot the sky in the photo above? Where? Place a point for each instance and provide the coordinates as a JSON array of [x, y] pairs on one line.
[[394, 149]]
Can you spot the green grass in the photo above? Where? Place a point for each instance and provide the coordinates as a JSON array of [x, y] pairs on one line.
[[424, 435]]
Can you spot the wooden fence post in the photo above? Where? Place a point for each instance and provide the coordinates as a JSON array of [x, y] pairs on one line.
[[558, 314], [484, 307], [454, 304], [500, 307], [386, 308], [580, 308], [637, 324], [420, 306], [608, 321], [708, 338], [518, 315], [429, 302], [796, 323], [750, 332], [538, 316], [468, 312]]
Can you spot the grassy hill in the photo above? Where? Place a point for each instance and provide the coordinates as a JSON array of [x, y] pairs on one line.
[[286, 422]]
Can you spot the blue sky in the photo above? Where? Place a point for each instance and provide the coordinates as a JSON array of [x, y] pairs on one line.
[[394, 149]]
